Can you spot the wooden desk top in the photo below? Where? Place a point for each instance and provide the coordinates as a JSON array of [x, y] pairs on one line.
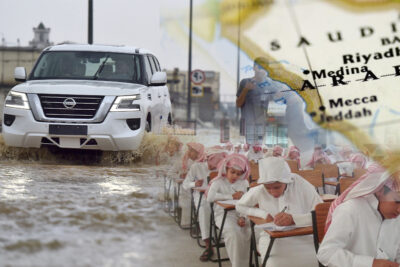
[[225, 206], [280, 234], [328, 197]]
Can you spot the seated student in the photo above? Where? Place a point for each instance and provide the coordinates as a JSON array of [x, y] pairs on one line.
[[171, 152], [359, 221], [231, 183], [228, 147], [355, 161], [294, 154], [171, 156], [359, 161], [238, 148], [333, 154], [246, 148], [255, 153], [318, 157], [197, 177], [277, 151], [265, 151], [194, 153], [346, 152], [288, 199]]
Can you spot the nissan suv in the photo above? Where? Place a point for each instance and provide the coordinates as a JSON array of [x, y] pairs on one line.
[[87, 97]]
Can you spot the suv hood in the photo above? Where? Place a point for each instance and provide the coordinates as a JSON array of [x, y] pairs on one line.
[[79, 87]]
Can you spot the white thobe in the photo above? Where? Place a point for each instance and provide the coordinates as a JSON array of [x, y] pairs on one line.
[[299, 198], [389, 240], [184, 198], [253, 156], [353, 235], [346, 168], [237, 239], [173, 172], [199, 171]]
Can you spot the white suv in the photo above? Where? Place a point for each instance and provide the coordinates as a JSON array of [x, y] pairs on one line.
[[87, 97]]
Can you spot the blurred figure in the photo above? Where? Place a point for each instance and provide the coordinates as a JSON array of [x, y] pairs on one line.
[[318, 157], [277, 151], [255, 153], [333, 154], [253, 98], [294, 154]]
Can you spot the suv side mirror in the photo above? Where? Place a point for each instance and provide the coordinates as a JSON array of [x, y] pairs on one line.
[[159, 78], [20, 74]]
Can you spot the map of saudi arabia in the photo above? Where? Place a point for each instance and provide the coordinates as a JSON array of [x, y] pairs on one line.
[[341, 57]]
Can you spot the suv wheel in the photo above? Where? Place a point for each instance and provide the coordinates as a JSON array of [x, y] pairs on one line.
[[169, 119], [148, 123]]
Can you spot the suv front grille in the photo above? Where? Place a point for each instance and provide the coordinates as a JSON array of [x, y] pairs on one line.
[[70, 106]]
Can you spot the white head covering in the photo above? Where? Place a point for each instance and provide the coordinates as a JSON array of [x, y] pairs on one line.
[[373, 183], [273, 170]]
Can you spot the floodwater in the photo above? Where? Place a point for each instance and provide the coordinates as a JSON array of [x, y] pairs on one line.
[[94, 209]]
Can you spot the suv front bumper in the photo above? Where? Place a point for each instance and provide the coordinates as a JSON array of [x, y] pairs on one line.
[[113, 134]]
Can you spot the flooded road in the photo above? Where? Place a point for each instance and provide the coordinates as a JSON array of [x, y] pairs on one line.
[[87, 209], [54, 215]]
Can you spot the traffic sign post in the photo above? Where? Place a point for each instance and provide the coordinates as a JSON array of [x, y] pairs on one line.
[[197, 77], [197, 91]]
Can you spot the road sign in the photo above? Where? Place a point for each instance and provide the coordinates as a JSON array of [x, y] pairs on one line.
[[197, 91], [197, 76]]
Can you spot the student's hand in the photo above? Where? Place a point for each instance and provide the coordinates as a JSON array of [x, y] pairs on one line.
[[269, 218], [237, 195], [182, 176], [283, 219], [198, 183], [241, 222], [384, 263]]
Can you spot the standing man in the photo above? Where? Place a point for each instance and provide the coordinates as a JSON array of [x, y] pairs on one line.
[[253, 96], [252, 99]]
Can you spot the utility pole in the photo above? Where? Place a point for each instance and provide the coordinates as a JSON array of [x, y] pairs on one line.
[[90, 21], [238, 58], [189, 99]]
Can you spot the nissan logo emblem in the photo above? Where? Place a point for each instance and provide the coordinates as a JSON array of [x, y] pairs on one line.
[[69, 103]]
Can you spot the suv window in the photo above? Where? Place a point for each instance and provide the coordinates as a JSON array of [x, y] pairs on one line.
[[156, 63], [152, 65], [148, 68], [86, 65]]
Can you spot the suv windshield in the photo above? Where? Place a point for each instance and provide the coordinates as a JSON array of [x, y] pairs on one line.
[[88, 66]]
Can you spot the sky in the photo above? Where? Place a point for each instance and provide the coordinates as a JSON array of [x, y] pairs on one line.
[[129, 22], [121, 22]]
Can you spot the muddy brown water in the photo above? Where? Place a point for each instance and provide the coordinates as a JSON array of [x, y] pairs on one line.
[[74, 208]]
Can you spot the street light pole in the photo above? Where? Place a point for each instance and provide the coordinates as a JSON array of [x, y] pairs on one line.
[[189, 100], [238, 58], [90, 21]]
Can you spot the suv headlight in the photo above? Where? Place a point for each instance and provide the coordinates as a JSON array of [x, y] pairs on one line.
[[17, 100], [126, 103]]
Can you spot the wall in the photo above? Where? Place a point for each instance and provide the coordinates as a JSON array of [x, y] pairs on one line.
[[12, 57]]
